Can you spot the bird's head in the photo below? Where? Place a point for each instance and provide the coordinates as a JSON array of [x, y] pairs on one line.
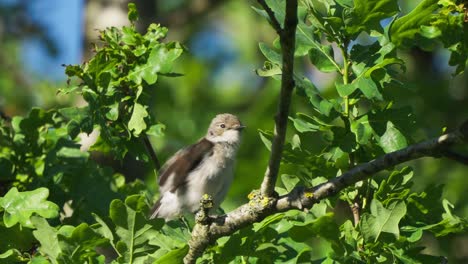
[[225, 128]]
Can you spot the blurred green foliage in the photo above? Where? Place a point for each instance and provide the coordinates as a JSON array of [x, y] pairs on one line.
[[370, 79]]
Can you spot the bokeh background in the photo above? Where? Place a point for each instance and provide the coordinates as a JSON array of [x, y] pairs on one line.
[[221, 36]]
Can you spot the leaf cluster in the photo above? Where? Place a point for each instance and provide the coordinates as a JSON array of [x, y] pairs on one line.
[[57, 204], [358, 122]]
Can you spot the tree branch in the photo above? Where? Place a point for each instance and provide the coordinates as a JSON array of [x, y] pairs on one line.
[[455, 156], [301, 198], [202, 234], [308, 197], [273, 21], [288, 42]]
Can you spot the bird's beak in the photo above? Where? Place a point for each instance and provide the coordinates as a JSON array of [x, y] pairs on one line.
[[240, 127]]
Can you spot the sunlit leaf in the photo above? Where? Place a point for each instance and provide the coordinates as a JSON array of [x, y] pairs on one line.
[[392, 139], [19, 206], [137, 121], [132, 12], [382, 219], [403, 30], [366, 15]]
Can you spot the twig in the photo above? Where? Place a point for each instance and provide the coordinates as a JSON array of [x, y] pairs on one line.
[[273, 21], [151, 152], [288, 42], [455, 156]]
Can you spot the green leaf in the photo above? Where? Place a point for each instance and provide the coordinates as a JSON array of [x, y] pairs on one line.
[[303, 126], [37, 259], [132, 12], [67, 152], [160, 60], [269, 69], [322, 58], [78, 244], [382, 64], [173, 256], [382, 219], [289, 181], [296, 142], [324, 226], [362, 129], [307, 88], [367, 14], [403, 30], [113, 113], [10, 256], [392, 139], [368, 88], [75, 113], [396, 187], [47, 237], [137, 123], [266, 138], [133, 229], [104, 229], [270, 54], [156, 130], [19, 206], [277, 6], [345, 89]]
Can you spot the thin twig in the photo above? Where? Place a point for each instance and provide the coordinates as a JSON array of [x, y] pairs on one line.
[[151, 152], [288, 42], [273, 21]]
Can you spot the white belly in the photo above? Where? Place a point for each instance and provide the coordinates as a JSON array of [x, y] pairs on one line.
[[213, 176], [210, 179]]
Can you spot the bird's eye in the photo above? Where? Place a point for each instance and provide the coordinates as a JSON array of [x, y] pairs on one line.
[[222, 126]]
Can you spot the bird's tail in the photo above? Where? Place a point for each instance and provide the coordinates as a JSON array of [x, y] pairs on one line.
[[155, 210]]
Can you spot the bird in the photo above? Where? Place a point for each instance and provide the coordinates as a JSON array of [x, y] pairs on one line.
[[206, 167]]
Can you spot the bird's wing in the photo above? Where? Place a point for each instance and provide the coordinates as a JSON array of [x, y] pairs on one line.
[[174, 172]]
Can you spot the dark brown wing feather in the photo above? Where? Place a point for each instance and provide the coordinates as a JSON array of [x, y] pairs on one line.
[[183, 162]]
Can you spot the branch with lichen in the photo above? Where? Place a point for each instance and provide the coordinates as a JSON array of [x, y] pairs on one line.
[[302, 198], [263, 202], [202, 234]]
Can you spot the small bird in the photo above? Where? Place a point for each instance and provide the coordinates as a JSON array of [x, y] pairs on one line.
[[206, 167]]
